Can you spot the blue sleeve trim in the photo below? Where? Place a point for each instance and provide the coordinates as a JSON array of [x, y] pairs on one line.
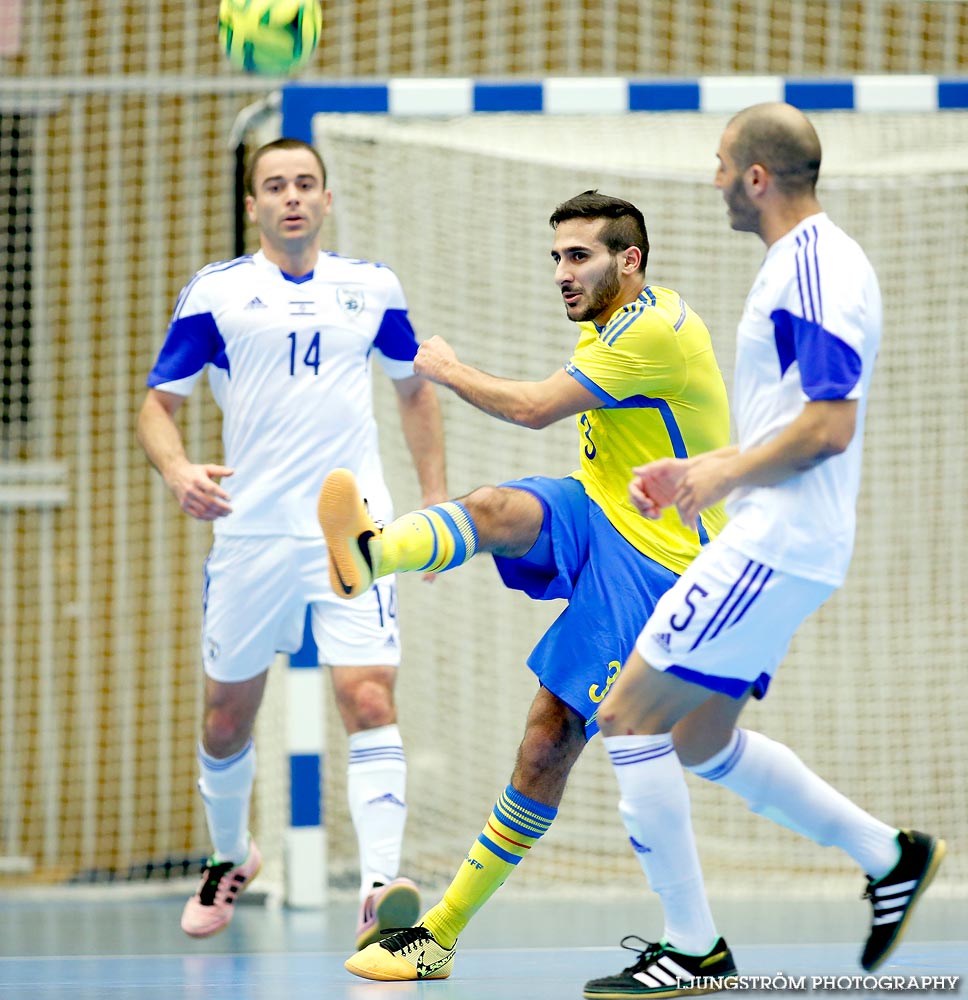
[[582, 379], [829, 366], [395, 339], [192, 343], [636, 403]]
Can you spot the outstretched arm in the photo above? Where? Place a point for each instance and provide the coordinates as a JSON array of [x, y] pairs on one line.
[[529, 404], [193, 486], [423, 430]]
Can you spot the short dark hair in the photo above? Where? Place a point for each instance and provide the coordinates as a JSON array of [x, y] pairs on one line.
[[782, 140], [625, 225], [249, 177]]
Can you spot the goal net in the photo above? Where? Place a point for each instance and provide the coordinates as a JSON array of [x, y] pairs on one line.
[[872, 694]]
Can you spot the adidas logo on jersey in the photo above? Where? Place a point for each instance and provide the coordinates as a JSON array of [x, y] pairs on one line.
[[663, 639], [256, 303]]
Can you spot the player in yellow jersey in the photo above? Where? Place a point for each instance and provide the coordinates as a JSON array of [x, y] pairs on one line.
[[644, 383]]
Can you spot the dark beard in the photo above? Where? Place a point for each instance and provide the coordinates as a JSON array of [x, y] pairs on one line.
[[744, 217], [605, 292]]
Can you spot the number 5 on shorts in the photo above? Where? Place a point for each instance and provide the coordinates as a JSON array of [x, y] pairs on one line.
[[681, 624]]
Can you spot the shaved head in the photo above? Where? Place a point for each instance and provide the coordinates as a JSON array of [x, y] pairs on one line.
[[781, 138]]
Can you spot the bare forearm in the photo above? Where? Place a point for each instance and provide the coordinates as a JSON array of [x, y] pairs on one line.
[[811, 439], [193, 486], [507, 399], [423, 430], [160, 438], [821, 430]]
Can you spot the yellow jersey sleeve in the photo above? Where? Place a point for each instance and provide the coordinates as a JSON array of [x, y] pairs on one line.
[[653, 367]]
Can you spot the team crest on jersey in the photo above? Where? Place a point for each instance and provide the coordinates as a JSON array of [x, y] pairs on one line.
[[350, 299]]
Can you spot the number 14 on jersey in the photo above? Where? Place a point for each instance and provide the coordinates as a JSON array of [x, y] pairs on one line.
[[310, 357]]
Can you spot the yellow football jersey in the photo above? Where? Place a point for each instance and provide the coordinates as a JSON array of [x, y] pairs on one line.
[[663, 395]]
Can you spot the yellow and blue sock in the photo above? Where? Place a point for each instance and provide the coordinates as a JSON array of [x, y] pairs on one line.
[[431, 540], [513, 827]]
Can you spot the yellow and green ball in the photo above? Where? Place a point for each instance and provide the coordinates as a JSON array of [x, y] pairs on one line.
[[272, 37]]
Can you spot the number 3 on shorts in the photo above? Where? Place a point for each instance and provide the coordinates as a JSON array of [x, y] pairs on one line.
[[677, 621]]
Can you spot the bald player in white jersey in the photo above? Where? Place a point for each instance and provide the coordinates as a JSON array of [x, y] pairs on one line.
[[806, 346], [286, 336]]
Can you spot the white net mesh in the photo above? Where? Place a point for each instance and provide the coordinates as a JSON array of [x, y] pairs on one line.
[[872, 694], [116, 185]]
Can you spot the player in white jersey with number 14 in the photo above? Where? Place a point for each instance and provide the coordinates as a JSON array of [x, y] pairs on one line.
[[286, 335], [805, 351]]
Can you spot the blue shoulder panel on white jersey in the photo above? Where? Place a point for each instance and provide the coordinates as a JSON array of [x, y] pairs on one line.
[[829, 367], [191, 343], [395, 339]]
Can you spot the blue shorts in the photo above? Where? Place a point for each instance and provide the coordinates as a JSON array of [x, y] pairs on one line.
[[610, 586]]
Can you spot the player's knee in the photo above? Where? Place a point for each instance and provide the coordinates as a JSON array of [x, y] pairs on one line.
[[225, 732], [607, 723], [369, 705], [507, 520], [485, 504], [549, 748]]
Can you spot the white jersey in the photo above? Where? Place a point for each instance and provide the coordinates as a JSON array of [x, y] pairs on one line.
[[810, 331], [289, 366]]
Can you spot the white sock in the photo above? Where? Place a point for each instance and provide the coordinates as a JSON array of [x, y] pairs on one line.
[[655, 809], [226, 787], [775, 783], [376, 784]]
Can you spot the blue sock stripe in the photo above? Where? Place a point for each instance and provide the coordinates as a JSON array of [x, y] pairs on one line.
[[465, 524], [433, 531], [377, 753], [222, 764], [462, 527], [540, 811], [522, 801], [729, 763], [621, 758], [511, 859], [460, 545], [520, 821]]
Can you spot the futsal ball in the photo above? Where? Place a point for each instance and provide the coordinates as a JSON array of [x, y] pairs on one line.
[[274, 37]]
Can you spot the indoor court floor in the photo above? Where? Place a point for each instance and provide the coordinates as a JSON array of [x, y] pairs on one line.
[[78, 948]]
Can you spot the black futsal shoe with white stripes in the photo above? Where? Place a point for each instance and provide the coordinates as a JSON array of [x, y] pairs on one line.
[[893, 896], [661, 971]]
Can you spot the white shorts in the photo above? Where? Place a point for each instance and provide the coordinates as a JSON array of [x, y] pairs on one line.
[[257, 589], [727, 622]]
